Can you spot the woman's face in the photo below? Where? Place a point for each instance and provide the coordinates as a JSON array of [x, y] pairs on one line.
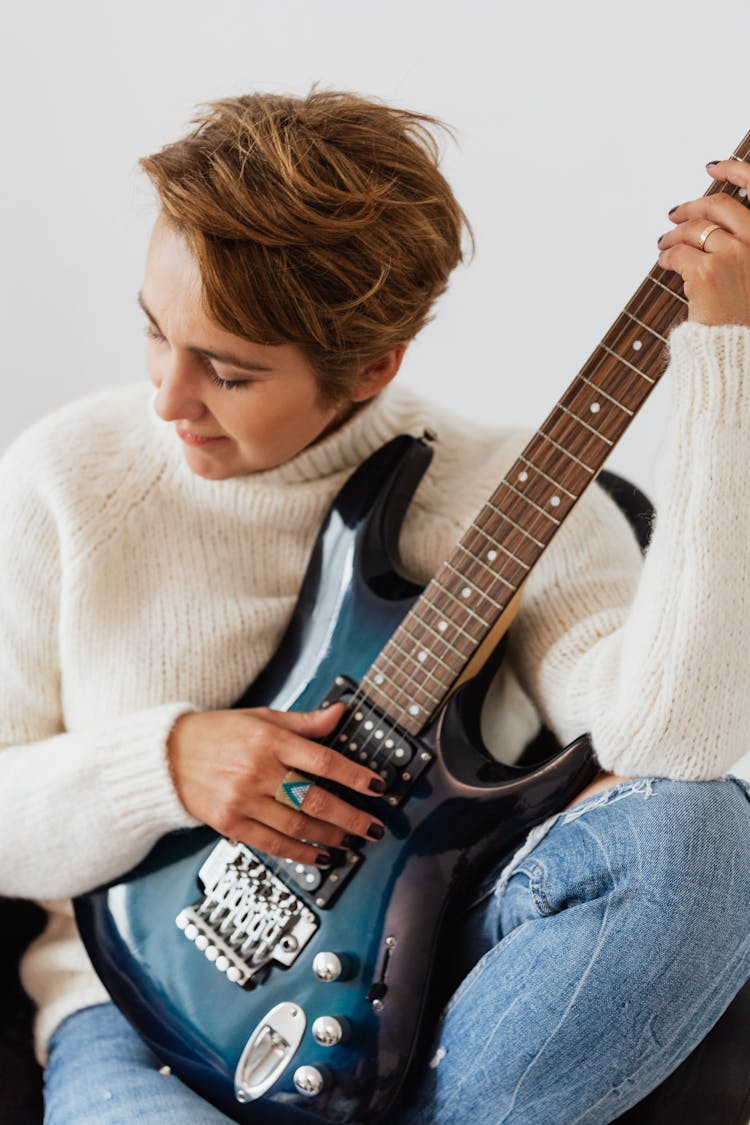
[[237, 407]]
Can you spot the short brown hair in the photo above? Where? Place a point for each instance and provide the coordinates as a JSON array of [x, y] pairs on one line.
[[321, 221]]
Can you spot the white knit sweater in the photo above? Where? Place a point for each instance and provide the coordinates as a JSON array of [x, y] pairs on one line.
[[132, 590]]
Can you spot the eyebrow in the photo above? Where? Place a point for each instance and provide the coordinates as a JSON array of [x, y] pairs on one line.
[[222, 357]]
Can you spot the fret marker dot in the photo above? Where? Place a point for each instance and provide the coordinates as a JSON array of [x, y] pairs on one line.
[[466, 592], [523, 476], [492, 555], [554, 501], [442, 626], [413, 710], [637, 345], [422, 656], [379, 679], [742, 193], [595, 408]]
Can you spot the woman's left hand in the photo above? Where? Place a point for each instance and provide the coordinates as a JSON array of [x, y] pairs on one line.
[[716, 275]]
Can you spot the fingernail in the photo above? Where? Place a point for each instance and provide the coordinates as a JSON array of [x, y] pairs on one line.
[[711, 163], [377, 785], [659, 238], [376, 831], [352, 841], [322, 860], [675, 208]]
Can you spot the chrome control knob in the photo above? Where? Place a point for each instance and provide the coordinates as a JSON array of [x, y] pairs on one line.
[[328, 1031], [327, 966], [308, 1080]]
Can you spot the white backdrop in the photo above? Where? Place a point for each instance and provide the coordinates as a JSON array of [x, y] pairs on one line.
[[580, 124]]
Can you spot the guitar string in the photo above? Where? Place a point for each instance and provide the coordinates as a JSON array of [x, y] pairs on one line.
[[620, 335]]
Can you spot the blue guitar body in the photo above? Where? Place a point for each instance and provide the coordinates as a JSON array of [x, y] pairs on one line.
[[383, 907]]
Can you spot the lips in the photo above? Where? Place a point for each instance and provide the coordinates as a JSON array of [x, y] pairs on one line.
[[197, 439]]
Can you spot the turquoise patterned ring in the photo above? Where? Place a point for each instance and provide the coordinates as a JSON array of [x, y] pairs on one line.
[[293, 789]]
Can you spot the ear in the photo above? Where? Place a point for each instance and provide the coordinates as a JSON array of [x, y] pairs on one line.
[[378, 374]]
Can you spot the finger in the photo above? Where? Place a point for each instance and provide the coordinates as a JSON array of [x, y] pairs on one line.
[[729, 213], [320, 804], [691, 233], [266, 839], [732, 171], [308, 724], [298, 753], [298, 825]]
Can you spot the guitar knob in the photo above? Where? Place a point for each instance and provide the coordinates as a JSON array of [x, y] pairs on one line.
[[327, 966], [308, 1080], [328, 1031]]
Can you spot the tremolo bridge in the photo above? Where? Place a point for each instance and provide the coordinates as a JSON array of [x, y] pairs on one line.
[[253, 910]]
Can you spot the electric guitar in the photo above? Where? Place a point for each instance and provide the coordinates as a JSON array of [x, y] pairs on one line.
[[268, 985]]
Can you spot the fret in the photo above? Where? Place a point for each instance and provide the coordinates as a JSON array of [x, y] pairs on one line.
[[567, 452], [604, 372], [587, 426], [613, 400], [667, 290], [630, 365], [497, 546], [416, 620], [435, 587], [541, 472], [611, 420], [479, 562], [645, 326], [482, 593], [569, 431], [422, 665], [517, 526], [418, 688], [506, 484], [455, 597]]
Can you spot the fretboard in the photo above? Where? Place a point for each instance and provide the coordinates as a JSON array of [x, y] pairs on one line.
[[415, 672]]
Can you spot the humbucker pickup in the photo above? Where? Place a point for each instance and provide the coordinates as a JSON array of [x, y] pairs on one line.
[[367, 735]]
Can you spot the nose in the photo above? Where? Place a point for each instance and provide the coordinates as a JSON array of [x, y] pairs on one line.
[[178, 385]]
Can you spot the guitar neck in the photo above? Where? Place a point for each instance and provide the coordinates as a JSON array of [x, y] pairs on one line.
[[461, 606]]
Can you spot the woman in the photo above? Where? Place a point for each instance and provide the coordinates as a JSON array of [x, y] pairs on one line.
[[152, 548]]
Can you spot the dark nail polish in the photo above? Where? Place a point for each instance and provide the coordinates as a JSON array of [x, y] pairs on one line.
[[376, 831], [322, 860], [711, 163], [377, 785], [352, 842], [675, 208]]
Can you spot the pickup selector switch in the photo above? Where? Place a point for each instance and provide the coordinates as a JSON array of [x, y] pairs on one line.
[[328, 1031]]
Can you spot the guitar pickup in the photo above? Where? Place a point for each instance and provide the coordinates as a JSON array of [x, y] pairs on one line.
[[369, 736]]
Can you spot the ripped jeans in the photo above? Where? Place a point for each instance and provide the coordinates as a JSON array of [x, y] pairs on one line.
[[585, 970]]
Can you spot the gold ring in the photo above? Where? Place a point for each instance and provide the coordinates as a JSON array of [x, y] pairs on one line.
[[293, 789], [705, 233]]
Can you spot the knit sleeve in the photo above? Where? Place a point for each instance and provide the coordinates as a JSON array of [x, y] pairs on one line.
[[654, 661], [76, 809]]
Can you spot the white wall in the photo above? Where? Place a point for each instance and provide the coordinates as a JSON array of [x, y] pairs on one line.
[[580, 123]]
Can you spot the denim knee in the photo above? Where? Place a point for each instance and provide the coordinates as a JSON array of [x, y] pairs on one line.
[[677, 853]]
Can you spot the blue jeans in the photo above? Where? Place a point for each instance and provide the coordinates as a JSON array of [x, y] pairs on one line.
[[592, 965]]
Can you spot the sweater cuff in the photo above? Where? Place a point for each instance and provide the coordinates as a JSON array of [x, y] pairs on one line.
[[711, 369], [140, 789]]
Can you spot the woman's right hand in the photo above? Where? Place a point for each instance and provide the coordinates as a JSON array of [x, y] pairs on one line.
[[228, 765]]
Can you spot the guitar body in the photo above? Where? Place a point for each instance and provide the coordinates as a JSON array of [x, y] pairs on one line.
[[463, 811]]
